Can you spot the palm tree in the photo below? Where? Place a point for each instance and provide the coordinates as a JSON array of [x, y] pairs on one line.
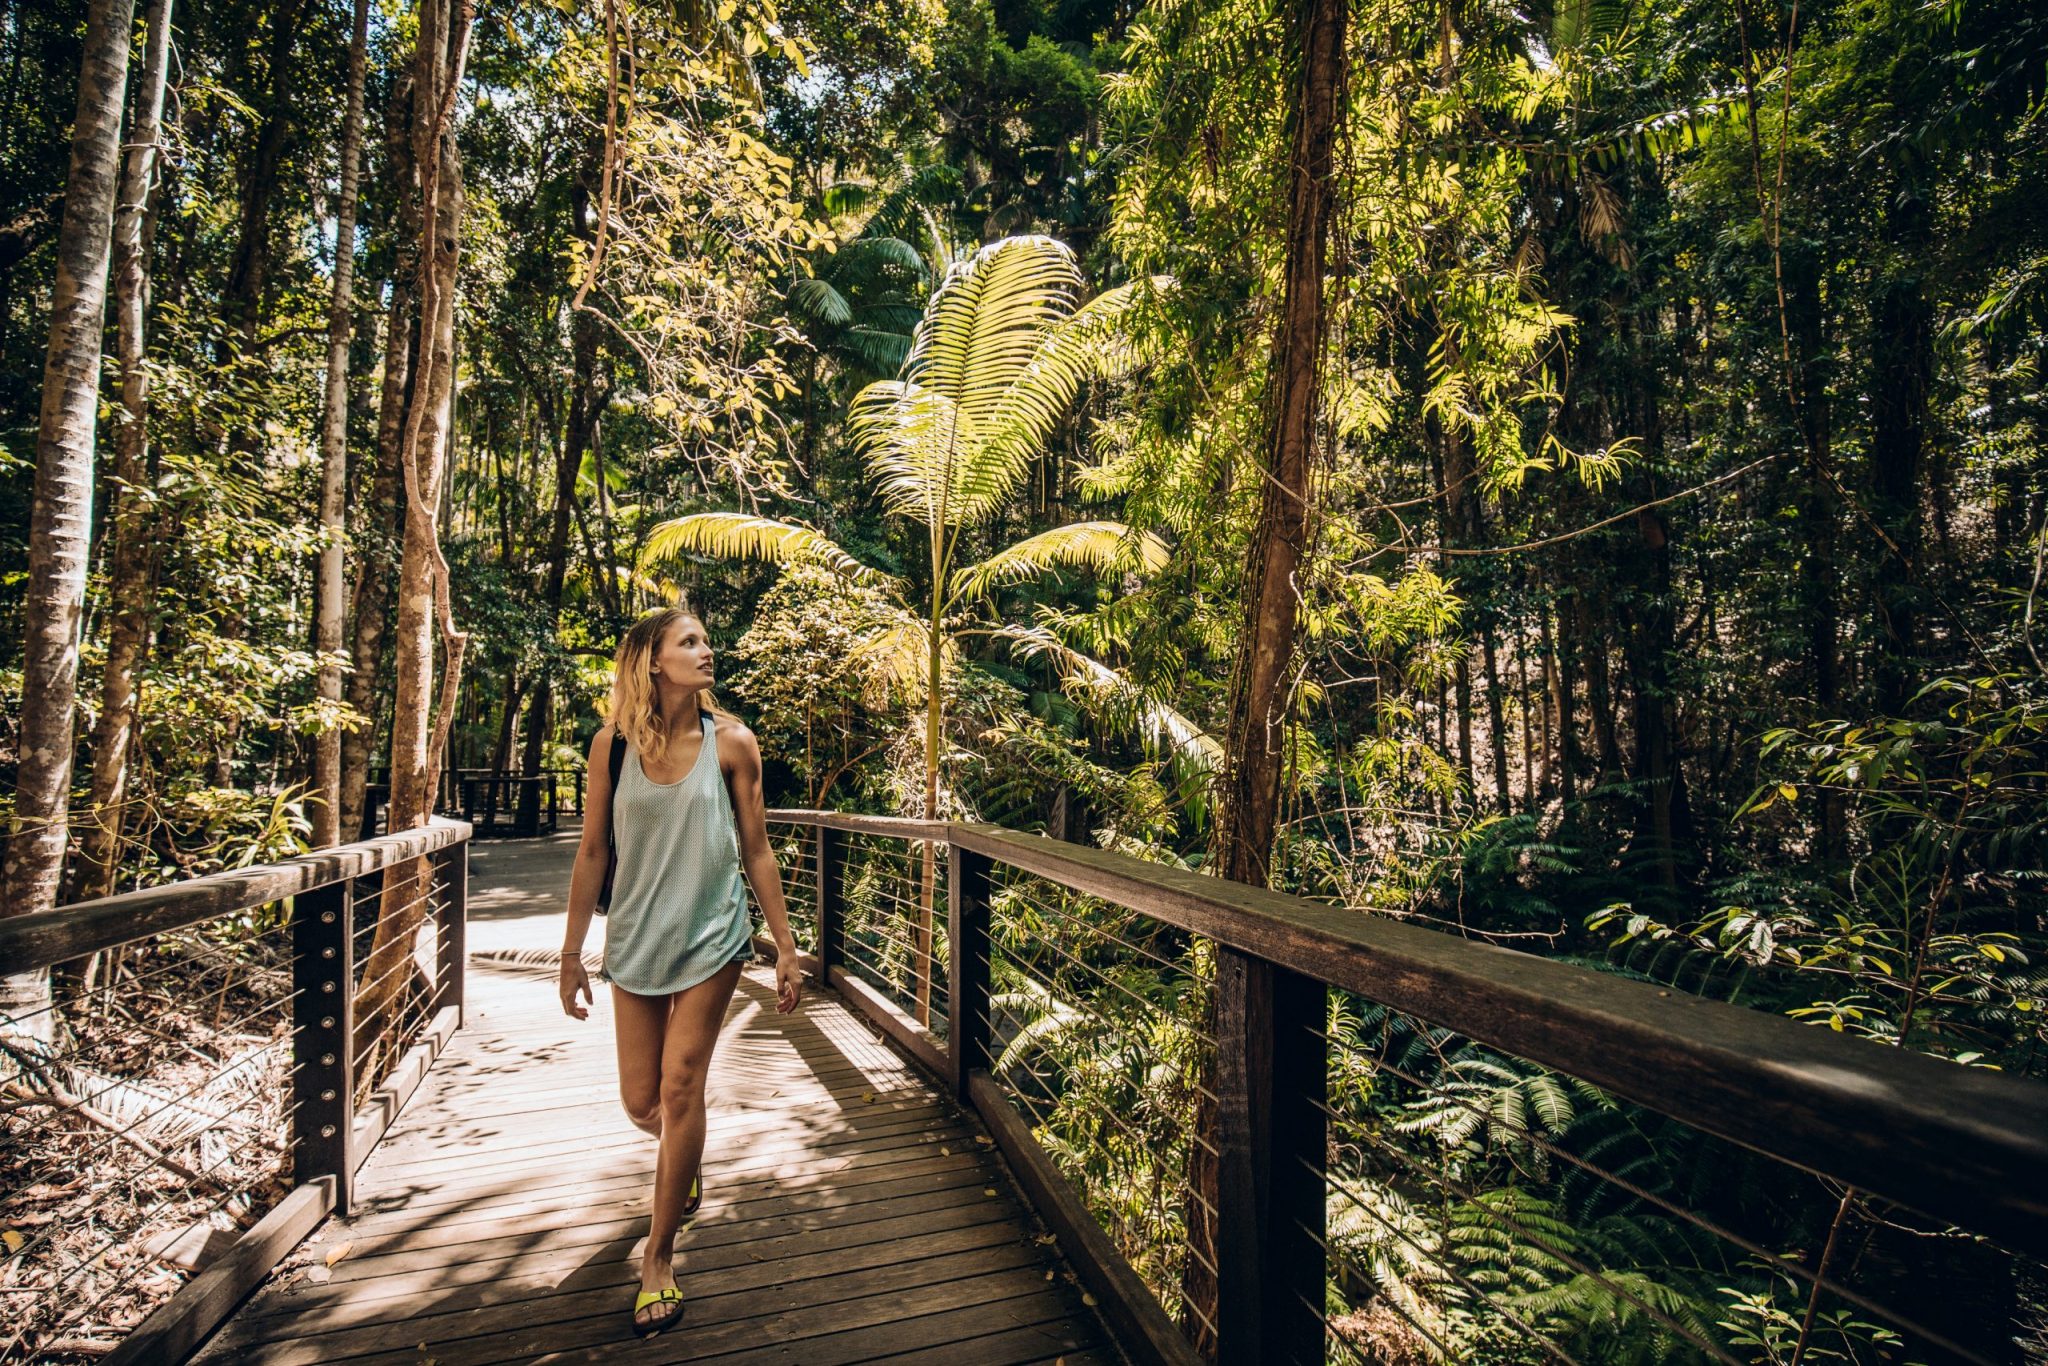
[[995, 362]]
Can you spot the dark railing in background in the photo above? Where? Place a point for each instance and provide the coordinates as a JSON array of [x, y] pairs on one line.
[[211, 1084], [493, 803], [1408, 1134]]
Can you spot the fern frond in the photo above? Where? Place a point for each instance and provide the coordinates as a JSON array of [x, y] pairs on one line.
[[1087, 545], [741, 536]]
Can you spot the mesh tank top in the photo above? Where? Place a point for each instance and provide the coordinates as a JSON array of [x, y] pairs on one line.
[[679, 901]]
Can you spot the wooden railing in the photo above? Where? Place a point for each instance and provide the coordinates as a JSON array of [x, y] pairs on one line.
[[1247, 1028], [320, 967], [492, 803]]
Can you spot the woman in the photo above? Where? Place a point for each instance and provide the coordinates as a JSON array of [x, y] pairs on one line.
[[687, 820]]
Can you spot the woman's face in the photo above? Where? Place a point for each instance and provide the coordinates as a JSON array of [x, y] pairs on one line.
[[685, 655]]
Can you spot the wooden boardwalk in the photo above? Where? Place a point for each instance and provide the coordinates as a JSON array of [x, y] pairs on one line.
[[851, 1214]]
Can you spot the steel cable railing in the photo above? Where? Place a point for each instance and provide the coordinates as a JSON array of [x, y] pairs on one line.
[[1276, 1131], [193, 1069]]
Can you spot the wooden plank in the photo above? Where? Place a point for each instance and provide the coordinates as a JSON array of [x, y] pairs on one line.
[[955, 1317], [775, 1333], [630, 1231], [801, 1287], [385, 1104], [1128, 1306], [1062, 1338], [490, 1199], [903, 1031], [44, 938], [550, 1299], [1965, 1145], [1061, 1342], [183, 1321], [955, 1173], [616, 1264]]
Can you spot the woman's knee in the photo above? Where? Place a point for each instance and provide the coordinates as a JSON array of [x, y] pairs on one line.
[[643, 1107], [682, 1087]]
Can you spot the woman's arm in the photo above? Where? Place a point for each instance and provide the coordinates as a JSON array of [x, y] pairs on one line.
[[740, 756], [593, 854]]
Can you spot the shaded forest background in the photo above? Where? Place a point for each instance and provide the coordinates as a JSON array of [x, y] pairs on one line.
[[1677, 508]]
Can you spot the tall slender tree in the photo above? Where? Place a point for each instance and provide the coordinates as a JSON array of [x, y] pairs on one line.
[[128, 516], [1260, 693], [330, 604], [60, 517]]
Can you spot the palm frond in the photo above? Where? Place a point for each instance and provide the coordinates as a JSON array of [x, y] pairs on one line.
[[741, 536], [912, 436], [817, 300], [1087, 545], [895, 658], [1109, 694]]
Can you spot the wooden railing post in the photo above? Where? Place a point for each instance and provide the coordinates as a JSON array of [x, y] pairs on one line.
[[451, 931], [831, 903], [323, 1037], [967, 933], [1271, 1089]]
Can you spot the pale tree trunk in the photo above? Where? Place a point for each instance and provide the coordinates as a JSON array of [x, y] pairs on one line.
[[1260, 698], [132, 571], [329, 605], [377, 532], [60, 517], [421, 713]]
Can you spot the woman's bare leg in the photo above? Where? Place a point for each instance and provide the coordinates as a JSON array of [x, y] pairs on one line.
[[694, 1019], [639, 1023]]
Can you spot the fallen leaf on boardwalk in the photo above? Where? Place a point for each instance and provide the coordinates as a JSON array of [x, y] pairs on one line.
[[336, 1253], [14, 1238], [1087, 1299], [319, 1275], [1045, 1240], [984, 1140], [867, 1097], [1048, 1273], [988, 1190], [942, 1148]]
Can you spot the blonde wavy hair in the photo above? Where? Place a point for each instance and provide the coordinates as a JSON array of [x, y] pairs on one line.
[[635, 710]]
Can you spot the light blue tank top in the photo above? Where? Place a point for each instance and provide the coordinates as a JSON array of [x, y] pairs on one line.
[[679, 901]]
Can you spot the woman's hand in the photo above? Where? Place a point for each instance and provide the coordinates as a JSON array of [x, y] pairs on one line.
[[789, 980], [574, 981]]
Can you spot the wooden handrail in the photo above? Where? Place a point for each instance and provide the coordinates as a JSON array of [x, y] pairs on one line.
[[1965, 1145], [29, 942], [330, 1134]]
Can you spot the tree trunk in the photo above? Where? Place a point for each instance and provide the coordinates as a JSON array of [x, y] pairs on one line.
[[60, 515], [249, 269], [422, 713], [1496, 720], [130, 581], [376, 537], [584, 403], [329, 607], [1249, 795], [1902, 347]]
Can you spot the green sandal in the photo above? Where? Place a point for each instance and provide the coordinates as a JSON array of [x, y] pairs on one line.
[[695, 1200], [669, 1295]]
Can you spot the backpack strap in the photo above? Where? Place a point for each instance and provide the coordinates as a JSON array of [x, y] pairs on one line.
[[611, 836]]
